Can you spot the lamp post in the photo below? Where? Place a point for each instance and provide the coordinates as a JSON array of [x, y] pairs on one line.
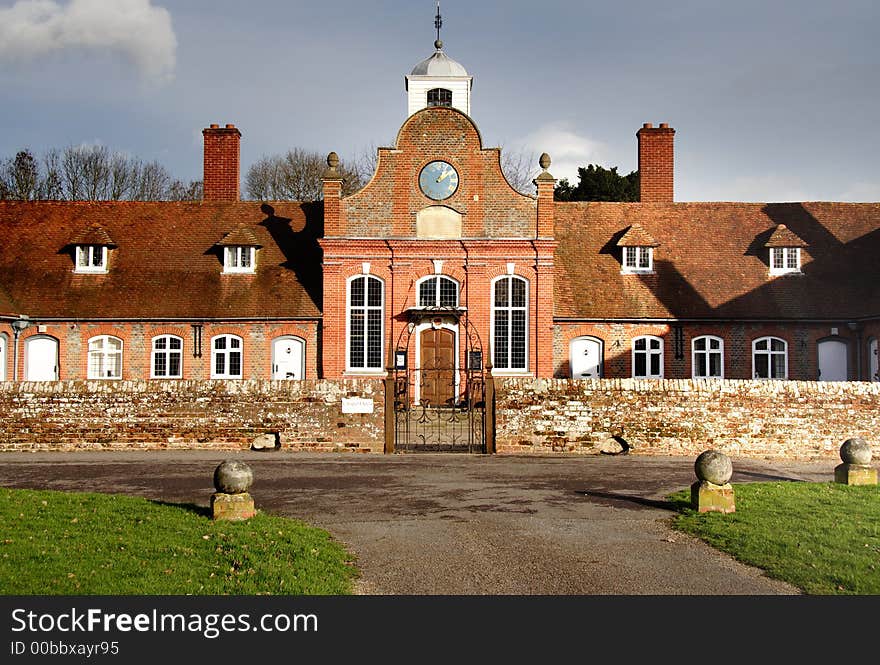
[[18, 325]]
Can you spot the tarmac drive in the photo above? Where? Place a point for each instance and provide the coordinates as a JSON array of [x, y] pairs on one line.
[[459, 524]]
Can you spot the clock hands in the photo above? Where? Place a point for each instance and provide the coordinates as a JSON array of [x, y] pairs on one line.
[[445, 175]]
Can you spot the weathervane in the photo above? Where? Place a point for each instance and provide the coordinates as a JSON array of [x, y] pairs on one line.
[[438, 23]]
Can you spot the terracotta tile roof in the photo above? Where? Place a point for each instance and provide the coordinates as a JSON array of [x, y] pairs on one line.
[[636, 236], [712, 261], [784, 237], [93, 235], [166, 263], [241, 237], [7, 307]]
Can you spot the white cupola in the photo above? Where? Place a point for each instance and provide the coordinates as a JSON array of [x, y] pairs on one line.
[[439, 80]]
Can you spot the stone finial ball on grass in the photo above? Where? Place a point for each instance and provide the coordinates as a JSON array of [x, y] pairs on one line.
[[233, 477], [856, 451], [714, 467]]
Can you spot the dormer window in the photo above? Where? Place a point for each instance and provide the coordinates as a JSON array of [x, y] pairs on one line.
[[91, 258], [638, 259], [240, 250], [785, 260], [439, 97], [784, 246], [238, 258], [91, 250], [637, 251]]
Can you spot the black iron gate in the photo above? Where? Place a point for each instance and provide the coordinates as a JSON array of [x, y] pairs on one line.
[[440, 406]]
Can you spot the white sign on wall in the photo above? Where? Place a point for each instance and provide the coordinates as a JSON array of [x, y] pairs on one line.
[[357, 405]]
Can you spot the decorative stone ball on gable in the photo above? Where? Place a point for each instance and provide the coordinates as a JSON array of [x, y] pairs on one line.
[[714, 467], [856, 451], [233, 477]]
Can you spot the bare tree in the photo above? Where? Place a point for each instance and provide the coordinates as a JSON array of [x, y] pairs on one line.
[[152, 182], [296, 175], [520, 168], [51, 183], [90, 173], [20, 177], [181, 191]]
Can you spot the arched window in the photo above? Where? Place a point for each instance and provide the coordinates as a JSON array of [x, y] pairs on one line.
[[510, 298], [708, 357], [105, 357], [439, 97], [873, 360], [438, 291], [647, 357], [226, 357], [769, 358], [2, 357], [365, 322], [167, 361]]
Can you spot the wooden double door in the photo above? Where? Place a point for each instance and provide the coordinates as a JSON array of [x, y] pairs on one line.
[[437, 366]]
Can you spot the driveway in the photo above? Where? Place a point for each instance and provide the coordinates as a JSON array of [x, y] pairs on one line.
[[459, 524]]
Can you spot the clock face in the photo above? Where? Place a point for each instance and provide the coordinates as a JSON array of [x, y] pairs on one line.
[[438, 180]]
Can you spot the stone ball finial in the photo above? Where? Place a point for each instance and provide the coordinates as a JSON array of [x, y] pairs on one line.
[[856, 451], [233, 477], [332, 160], [544, 161], [714, 467], [438, 44]]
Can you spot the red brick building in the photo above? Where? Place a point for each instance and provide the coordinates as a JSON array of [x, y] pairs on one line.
[[440, 257]]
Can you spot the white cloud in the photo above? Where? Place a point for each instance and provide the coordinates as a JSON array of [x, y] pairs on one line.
[[567, 149], [133, 28]]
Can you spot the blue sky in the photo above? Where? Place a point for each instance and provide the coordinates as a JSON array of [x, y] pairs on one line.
[[772, 100]]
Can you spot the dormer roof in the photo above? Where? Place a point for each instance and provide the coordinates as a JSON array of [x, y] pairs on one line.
[[637, 236], [93, 235], [242, 236], [785, 237]]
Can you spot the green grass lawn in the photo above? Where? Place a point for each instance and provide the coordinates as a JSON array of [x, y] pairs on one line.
[[821, 537], [73, 543]]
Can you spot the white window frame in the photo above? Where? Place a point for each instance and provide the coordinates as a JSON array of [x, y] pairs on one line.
[[781, 257], [226, 352], [873, 359], [510, 309], [366, 307], [234, 256], [707, 352], [770, 353], [637, 254], [437, 279], [3, 355], [86, 259], [105, 357], [648, 351], [167, 352]]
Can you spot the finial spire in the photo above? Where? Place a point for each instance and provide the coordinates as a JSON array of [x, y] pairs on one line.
[[438, 23]]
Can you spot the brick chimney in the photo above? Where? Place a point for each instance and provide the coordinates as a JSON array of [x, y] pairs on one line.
[[222, 148], [655, 163]]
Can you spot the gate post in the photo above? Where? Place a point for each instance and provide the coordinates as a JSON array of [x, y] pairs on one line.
[[489, 417], [389, 412]]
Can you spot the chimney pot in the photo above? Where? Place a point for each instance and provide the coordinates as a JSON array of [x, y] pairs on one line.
[[215, 126], [228, 126], [648, 125], [664, 125]]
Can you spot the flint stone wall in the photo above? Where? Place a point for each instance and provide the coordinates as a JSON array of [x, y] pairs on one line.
[[764, 419], [83, 415], [772, 419]]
